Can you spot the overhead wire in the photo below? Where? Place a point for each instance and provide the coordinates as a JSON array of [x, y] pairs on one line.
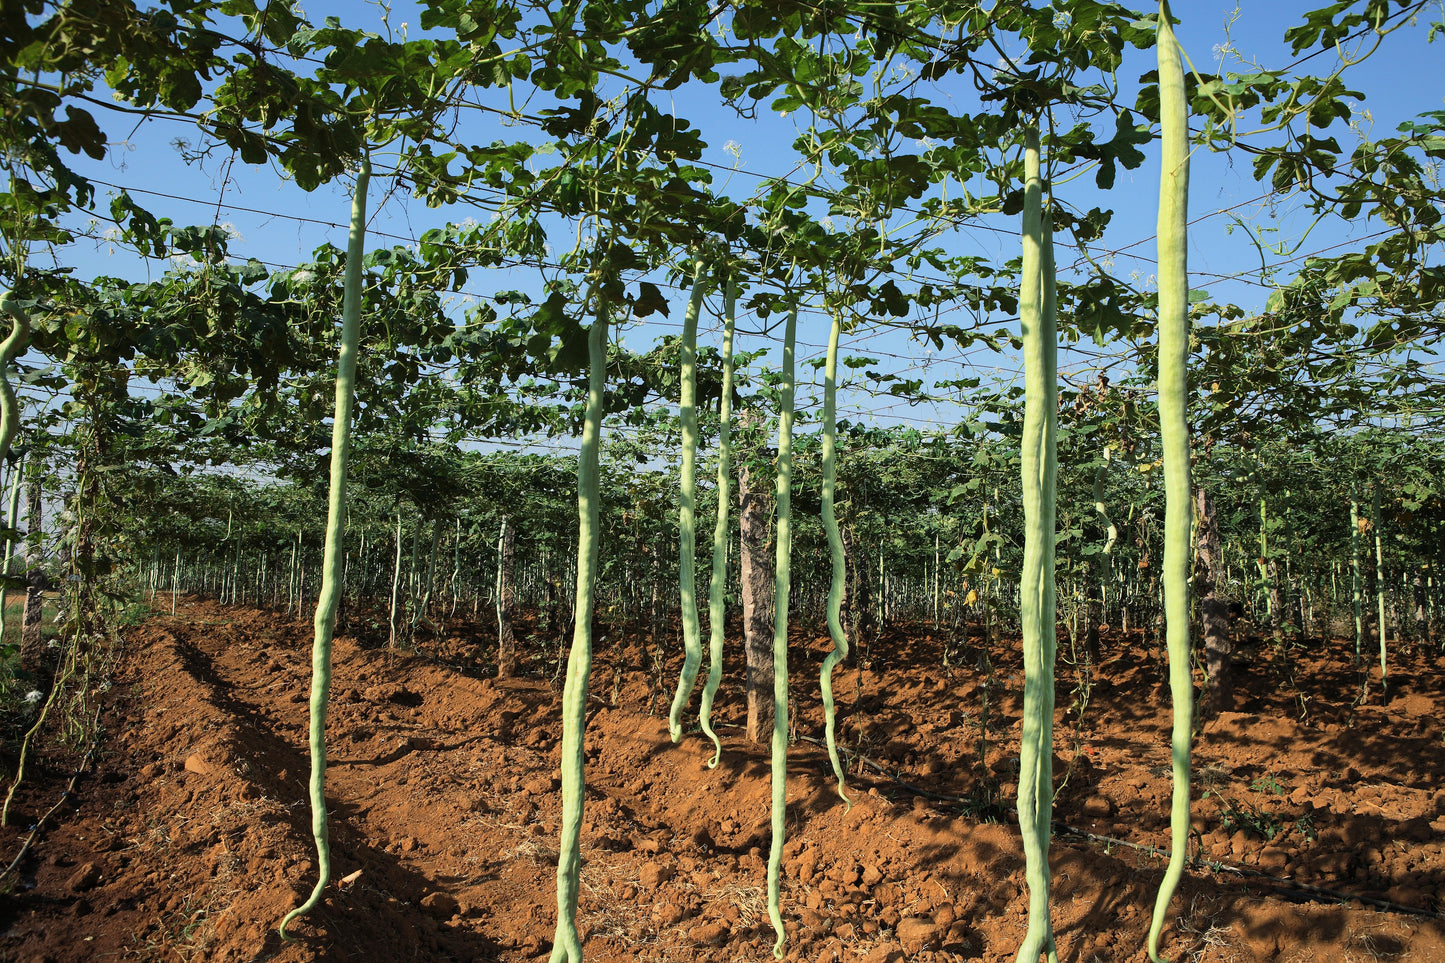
[[1249, 276], [862, 20], [1246, 277]]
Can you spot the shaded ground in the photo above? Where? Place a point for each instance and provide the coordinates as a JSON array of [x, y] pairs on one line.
[[188, 838]]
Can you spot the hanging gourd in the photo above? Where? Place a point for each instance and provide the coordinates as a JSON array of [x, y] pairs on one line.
[[835, 550], [1039, 468], [324, 624], [782, 585], [717, 587], [10, 349], [1174, 439], [687, 510], [566, 944]]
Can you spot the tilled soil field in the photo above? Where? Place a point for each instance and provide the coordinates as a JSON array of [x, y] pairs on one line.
[[1319, 813]]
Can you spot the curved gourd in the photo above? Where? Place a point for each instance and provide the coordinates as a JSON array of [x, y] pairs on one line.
[[687, 512], [835, 550], [1377, 522], [9, 350], [717, 587], [324, 623], [566, 944]]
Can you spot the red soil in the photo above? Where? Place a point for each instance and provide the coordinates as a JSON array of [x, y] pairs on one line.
[[188, 838]]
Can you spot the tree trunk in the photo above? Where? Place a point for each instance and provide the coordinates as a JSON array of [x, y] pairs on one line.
[[1268, 575], [89, 625], [1422, 624], [756, 582], [32, 648], [395, 616], [1213, 610], [1094, 617], [1276, 601], [426, 578], [506, 601], [860, 595], [656, 615]]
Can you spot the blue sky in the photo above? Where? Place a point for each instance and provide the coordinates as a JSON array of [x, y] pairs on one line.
[[280, 225]]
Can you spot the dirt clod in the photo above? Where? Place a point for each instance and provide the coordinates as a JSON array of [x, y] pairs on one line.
[[709, 934], [916, 932], [87, 877], [440, 904], [654, 874]]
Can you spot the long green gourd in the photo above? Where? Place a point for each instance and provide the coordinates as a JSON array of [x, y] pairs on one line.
[[10, 410], [835, 549], [687, 511], [1036, 583], [1357, 582], [324, 623], [717, 587], [1265, 577], [1174, 439], [9, 350], [782, 585], [1376, 520], [395, 581], [567, 945], [1111, 531], [9, 418], [12, 517]]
